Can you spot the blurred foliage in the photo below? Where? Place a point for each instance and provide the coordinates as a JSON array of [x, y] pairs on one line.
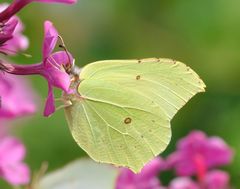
[[203, 34]]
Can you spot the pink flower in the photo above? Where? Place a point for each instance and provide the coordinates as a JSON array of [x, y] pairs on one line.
[[12, 169], [17, 97], [196, 153], [146, 179], [11, 38], [183, 183], [6, 30], [216, 179], [54, 67], [17, 5]]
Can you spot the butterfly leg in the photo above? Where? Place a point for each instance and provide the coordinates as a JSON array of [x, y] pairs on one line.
[[66, 104]]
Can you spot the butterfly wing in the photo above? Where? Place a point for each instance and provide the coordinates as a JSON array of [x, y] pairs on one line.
[[123, 115]]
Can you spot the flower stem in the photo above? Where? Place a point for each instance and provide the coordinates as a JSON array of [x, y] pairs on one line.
[[12, 9], [16, 69]]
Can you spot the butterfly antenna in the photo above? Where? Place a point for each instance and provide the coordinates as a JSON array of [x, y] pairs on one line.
[[68, 67]]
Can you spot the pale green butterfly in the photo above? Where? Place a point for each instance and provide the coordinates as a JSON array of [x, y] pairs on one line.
[[121, 110]]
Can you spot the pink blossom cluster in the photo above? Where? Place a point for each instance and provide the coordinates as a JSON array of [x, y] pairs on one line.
[[53, 66], [12, 150], [17, 98], [195, 163]]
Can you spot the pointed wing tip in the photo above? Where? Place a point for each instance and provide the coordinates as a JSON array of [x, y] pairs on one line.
[[204, 88], [202, 85]]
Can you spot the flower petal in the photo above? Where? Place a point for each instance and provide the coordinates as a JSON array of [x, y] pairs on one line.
[[10, 25], [57, 1], [3, 39], [18, 98], [216, 179], [196, 153], [11, 39], [7, 31], [17, 43], [146, 179], [152, 169], [50, 39], [17, 5], [16, 174], [183, 183], [55, 72], [49, 105], [11, 150], [218, 148], [62, 58]]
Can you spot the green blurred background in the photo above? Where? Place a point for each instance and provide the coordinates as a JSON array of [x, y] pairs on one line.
[[203, 34]]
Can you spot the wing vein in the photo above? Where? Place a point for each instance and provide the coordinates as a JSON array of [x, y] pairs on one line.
[[108, 126]]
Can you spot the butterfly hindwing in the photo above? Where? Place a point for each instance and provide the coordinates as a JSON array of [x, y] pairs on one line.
[[123, 115]]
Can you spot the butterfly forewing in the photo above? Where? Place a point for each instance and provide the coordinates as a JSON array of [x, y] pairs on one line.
[[123, 115]]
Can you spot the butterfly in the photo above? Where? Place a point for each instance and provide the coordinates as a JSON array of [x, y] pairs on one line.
[[121, 110]]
